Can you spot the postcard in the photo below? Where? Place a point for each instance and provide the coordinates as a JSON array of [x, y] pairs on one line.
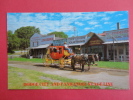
[[68, 50]]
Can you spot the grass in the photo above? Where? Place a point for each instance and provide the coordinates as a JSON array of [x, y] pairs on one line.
[[115, 65], [17, 53], [102, 64], [36, 60], [17, 77], [10, 53]]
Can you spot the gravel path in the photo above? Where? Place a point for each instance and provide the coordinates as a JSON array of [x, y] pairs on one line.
[[119, 78]]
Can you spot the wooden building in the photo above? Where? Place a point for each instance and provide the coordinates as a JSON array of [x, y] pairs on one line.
[[110, 45]]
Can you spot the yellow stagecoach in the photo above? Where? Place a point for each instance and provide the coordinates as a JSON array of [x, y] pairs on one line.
[[57, 56]]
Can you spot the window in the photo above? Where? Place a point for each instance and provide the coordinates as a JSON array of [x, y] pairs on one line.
[[55, 50], [60, 50]]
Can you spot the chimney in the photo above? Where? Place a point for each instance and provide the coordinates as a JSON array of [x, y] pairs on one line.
[[118, 26]]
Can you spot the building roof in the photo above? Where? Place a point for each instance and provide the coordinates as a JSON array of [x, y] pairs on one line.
[[90, 34], [76, 36], [102, 34], [111, 42], [115, 30], [100, 37], [76, 44], [40, 46]]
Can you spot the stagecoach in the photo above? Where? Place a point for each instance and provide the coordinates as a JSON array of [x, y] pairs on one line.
[[57, 56]]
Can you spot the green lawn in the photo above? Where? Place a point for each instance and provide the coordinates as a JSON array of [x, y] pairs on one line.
[[116, 65], [17, 78], [102, 64], [37, 60], [18, 53]]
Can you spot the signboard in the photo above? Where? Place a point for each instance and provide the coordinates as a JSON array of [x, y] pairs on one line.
[[117, 35], [37, 40], [47, 39], [95, 41], [59, 42], [76, 40]]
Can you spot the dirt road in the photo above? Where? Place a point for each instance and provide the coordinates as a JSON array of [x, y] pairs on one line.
[[119, 78]]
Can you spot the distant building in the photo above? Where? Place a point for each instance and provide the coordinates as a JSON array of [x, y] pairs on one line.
[[110, 45], [39, 43], [117, 44]]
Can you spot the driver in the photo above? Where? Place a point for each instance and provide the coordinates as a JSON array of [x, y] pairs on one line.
[[67, 48]]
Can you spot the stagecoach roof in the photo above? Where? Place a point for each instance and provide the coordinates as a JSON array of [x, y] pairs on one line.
[[40, 46]]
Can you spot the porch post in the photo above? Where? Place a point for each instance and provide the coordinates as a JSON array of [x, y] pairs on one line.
[[124, 54]]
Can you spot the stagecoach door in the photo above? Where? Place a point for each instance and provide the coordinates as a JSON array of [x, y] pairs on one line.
[[56, 52]]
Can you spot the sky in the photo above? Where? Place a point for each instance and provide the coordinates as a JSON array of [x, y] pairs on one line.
[[71, 23]]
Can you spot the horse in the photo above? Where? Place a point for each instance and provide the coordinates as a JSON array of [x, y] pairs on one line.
[[92, 58], [82, 60]]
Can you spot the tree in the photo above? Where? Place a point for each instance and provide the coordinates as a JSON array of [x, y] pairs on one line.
[[24, 34], [13, 41], [59, 34]]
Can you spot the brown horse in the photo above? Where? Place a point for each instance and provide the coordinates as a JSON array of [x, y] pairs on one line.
[[80, 59], [93, 58]]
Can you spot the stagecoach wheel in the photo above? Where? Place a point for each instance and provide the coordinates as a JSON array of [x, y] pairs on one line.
[[45, 60], [62, 63], [96, 64]]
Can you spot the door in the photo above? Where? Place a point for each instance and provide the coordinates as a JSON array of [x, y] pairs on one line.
[[121, 53]]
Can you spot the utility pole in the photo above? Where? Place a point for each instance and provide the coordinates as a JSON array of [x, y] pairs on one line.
[[113, 49], [74, 31], [114, 39]]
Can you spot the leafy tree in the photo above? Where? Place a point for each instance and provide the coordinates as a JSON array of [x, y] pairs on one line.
[[24, 34], [59, 34], [9, 41], [13, 41]]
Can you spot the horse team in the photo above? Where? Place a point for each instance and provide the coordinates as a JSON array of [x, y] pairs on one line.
[[84, 59]]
